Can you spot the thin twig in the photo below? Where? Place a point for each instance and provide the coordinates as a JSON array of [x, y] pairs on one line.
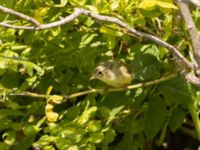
[[130, 87]]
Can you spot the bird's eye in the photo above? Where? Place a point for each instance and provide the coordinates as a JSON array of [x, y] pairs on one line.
[[99, 72]]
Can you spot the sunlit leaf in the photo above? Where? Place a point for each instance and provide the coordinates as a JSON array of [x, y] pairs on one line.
[[40, 12], [96, 137], [168, 7], [9, 137], [63, 143], [31, 67], [72, 134], [31, 130], [94, 126], [147, 4], [87, 114], [63, 2]]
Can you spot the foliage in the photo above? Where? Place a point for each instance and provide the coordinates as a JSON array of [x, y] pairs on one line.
[[64, 57]]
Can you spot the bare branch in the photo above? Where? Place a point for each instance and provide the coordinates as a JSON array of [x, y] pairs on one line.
[[65, 20], [195, 39], [192, 78], [79, 11], [16, 27], [155, 39], [196, 3], [20, 15]]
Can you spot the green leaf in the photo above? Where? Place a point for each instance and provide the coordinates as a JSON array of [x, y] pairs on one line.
[[115, 5], [109, 137], [104, 112], [130, 124], [96, 137], [4, 146], [94, 126], [146, 67], [31, 67], [128, 143], [90, 146], [77, 2], [63, 2], [109, 31], [9, 4], [177, 118], [166, 7], [9, 137], [73, 112], [65, 56], [28, 83], [137, 126], [149, 8], [63, 143], [110, 41], [176, 91], [55, 31], [115, 101], [73, 134], [73, 147], [26, 143], [10, 112], [152, 8], [49, 147], [10, 79], [31, 130], [115, 111], [147, 4], [18, 47], [86, 115], [44, 140], [86, 39], [7, 123], [154, 117]]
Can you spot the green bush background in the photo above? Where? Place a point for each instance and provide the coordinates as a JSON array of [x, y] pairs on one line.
[[61, 60]]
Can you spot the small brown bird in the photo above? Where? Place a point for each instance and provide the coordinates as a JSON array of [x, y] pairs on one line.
[[114, 73]]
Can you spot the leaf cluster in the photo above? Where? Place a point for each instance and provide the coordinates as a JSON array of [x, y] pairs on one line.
[[64, 58]]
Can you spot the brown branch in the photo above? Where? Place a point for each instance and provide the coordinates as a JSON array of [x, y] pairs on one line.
[[194, 37], [130, 87]]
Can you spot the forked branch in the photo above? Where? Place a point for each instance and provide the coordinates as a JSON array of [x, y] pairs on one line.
[[78, 11]]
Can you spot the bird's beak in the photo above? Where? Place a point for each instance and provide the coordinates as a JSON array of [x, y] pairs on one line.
[[92, 77]]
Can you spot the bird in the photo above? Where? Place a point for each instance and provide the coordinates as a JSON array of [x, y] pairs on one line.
[[114, 73]]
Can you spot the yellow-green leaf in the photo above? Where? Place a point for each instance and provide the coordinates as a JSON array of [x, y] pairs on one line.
[[147, 4]]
